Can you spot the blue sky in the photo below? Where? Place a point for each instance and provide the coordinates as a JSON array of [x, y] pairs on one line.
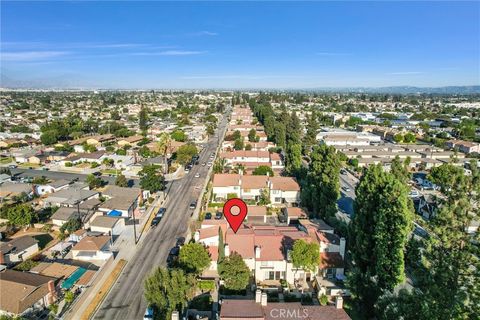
[[240, 44]]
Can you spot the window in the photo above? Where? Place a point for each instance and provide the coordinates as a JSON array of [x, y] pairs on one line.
[[331, 272], [277, 275], [278, 199], [271, 275]]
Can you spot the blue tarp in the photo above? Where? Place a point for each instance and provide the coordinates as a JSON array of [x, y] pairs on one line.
[[114, 213], [70, 281]]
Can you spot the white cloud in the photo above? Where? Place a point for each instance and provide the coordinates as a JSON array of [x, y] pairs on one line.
[[169, 53], [31, 55], [204, 33]]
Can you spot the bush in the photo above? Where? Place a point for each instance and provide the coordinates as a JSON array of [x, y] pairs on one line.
[[68, 164], [206, 285], [323, 300], [94, 165], [26, 265]]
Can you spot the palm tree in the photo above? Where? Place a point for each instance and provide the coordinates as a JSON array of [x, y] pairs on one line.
[[219, 165], [164, 146], [239, 167]]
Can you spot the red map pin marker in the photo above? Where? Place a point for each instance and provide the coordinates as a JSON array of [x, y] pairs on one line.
[[235, 219]]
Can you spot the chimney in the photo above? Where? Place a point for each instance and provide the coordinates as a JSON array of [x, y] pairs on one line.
[[196, 236], [175, 315], [258, 251], [342, 247], [258, 296], [52, 294], [339, 302], [263, 299], [227, 250]]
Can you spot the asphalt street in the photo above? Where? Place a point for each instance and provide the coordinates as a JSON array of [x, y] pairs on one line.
[[126, 299], [347, 189]]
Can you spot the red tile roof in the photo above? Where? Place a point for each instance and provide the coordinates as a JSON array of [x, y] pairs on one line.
[[226, 180], [331, 260]]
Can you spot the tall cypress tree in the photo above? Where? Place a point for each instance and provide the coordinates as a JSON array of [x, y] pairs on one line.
[[378, 235]]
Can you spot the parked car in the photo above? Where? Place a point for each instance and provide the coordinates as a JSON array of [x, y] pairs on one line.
[[218, 215], [162, 211], [12, 166], [204, 164], [180, 242], [155, 221], [208, 216], [346, 189], [193, 205], [197, 175], [148, 314]]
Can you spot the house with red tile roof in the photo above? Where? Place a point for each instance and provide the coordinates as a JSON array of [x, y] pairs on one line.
[[261, 309], [265, 250], [281, 190]]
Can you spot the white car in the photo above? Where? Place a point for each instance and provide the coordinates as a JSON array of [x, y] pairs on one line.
[[209, 164], [197, 175]]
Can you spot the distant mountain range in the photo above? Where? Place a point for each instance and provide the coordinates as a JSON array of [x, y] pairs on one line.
[[74, 82], [406, 90]]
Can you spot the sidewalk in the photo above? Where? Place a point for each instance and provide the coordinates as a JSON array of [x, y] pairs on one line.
[[125, 248]]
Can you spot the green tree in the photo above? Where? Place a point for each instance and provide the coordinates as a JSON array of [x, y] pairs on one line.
[[400, 170], [69, 297], [179, 135], [280, 135], [293, 158], [234, 272], [321, 187], [93, 181], [194, 258], [185, 153], [164, 146], [310, 138], [409, 138], [238, 144], [264, 197], [252, 135], [398, 138], [21, 215], [49, 137], [169, 290], [378, 235], [219, 165], [263, 171], [143, 119], [72, 225], [221, 245], [121, 181], [305, 255], [151, 179]]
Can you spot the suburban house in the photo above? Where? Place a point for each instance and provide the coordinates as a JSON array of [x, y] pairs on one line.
[[14, 189], [92, 248], [281, 190], [63, 214], [84, 157], [18, 250], [51, 187], [108, 225], [121, 201], [22, 292], [265, 250], [463, 146], [261, 309], [129, 141], [72, 196]]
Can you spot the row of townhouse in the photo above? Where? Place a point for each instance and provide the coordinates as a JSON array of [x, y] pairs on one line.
[[251, 159], [281, 190], [266, 251]]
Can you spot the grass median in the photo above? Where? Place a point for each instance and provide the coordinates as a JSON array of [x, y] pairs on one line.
[[101, 294]]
